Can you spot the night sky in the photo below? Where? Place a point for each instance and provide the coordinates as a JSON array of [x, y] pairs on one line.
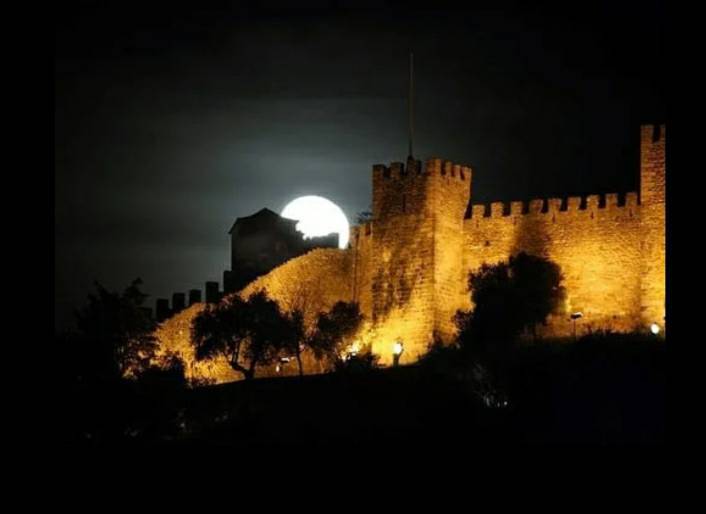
[[170, 122]]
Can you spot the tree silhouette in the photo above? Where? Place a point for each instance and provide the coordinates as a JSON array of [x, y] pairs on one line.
[[118, 328], [334, 330], [166, 374], [509, 298], [303, 300], [295, 337], [247, 333]]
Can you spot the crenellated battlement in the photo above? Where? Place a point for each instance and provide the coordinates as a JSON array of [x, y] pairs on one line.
[[652, 164], [610, 247], [541, 206], [419, 189], [408, 267], [416, 169]]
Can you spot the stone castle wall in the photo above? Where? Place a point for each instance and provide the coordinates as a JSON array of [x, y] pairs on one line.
[[653, 205], [611, 249], [362, 272], [452, 195], [416, 258], [408, 268], [595, 240], [311, 283], [174, 336]]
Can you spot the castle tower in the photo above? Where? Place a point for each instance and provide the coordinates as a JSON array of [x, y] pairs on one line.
[[653, 218], [417, 271]]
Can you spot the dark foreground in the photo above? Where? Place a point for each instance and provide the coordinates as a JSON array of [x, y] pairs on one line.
[[606, 392]]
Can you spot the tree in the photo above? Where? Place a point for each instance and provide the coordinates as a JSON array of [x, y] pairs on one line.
[[167, 374], [303, 300], [118, 328], [509, 298], [334, 331], [247, 333], [295, 337]]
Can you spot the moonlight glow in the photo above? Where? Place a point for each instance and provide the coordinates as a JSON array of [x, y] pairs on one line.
[[318, 216]]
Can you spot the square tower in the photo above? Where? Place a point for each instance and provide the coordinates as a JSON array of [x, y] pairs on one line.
[[653, 140], [417, 266]]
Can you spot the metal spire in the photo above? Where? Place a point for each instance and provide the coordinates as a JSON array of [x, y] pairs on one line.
[[410, 102]]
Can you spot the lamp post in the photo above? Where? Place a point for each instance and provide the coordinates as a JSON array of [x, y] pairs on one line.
[[574, 317], [397, 349]]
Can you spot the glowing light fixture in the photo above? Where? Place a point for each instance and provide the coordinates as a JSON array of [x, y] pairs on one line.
[[354, 349], [654, 328], [318, 217], [397, 348], [574, 317]]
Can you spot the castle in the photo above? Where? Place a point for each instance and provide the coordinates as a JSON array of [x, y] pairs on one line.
[[408, 268], [263, 241], [258, 243]]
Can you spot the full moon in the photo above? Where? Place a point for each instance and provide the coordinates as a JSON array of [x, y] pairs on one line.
[[318, 216]]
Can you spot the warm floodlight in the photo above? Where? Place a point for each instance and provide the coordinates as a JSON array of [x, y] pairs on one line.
[[397, 349], [352, 350], [574, 317], [654, 328]]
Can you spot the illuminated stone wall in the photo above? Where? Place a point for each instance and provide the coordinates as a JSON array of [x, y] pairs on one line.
[[611, 249], [416, 252], [595, 241], [452, 193], [362, 272], [311, 283], [174, 336], [408, 268], [653, 206]]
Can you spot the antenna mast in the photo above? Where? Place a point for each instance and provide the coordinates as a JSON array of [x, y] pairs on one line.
[[411, 103]]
